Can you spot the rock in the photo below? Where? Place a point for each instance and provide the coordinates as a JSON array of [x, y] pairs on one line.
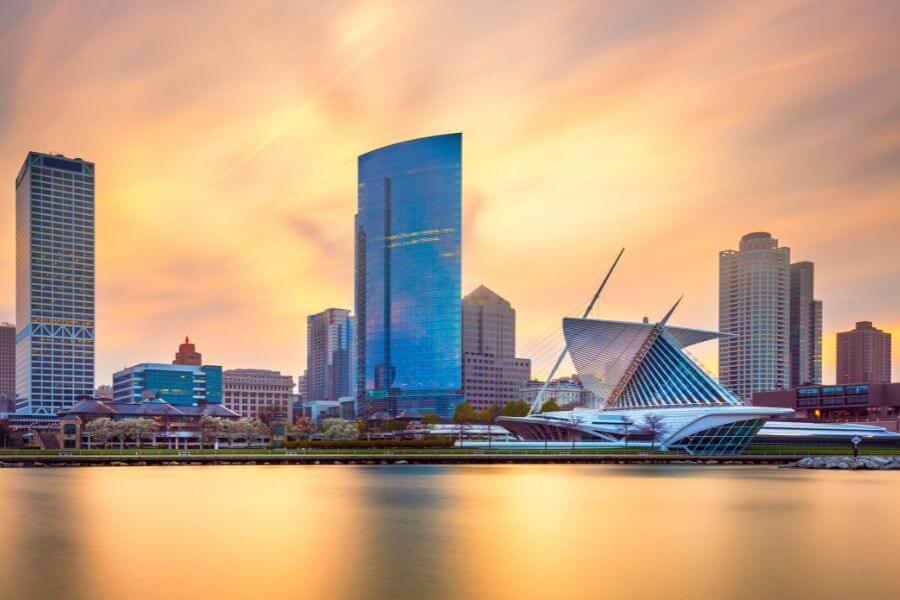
[[118, 463], [38, 464], [401, 462]]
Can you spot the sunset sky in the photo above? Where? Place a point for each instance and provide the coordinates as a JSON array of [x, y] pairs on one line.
[[225, 136]]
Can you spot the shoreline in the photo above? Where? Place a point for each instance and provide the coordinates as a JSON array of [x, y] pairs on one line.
[[39, 461]]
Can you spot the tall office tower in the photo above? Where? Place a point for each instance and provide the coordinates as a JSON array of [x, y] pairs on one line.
[[408, 272], [491, 373], [256, 393], [863, 355], [54, 283], [7, 367], [806, 327], [754, 307], [187, 354], [330, 355]]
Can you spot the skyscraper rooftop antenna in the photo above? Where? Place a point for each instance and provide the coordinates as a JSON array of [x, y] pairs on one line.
[[538, 400]]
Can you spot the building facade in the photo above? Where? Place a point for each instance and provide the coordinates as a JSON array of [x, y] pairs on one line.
[[176, 426], [408, 277], [649, 391], [54, 283], [491, 373], [330, 355], [805, 327], [256, 393], [179, 385], [754, 308], [567, 391], [839, 403], [187, 354], [863, 355], [7, 367]]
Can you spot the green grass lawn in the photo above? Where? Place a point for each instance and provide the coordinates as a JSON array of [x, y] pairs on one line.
[[317, 451], [749, 451]]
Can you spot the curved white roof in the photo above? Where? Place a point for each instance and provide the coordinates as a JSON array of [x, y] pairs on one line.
[[641, 364]]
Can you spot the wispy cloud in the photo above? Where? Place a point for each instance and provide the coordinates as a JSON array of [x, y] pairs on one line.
[[226, 135]]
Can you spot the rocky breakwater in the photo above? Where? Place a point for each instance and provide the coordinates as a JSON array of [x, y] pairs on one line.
[[849, 463]]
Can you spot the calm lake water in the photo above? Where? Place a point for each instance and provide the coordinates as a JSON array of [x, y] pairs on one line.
[[512, 531]]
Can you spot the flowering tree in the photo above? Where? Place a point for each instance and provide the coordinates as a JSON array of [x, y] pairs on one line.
[[303, 428], [209, 425], [339, 429], [145, 428], [101, 430]]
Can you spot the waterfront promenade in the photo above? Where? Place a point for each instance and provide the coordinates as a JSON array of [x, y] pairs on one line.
[[371, 457]]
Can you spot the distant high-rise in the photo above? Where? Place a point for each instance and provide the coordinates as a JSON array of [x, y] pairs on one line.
[[187, 354], [863, 355], [805, 328], [7, 367], [408, 273], [490, 370], [54, 283], [330, 355], [754, 307]]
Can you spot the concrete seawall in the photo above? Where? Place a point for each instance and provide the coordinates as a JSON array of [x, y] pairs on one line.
[[379, 459]]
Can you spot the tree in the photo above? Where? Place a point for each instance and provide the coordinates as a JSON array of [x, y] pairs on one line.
[[430, 418], [101, 430], [339, 429], [626, 423], [271, 412], [208, 425], [488, 416], [395, 425], [249, 429], [515, 408], [304, 428], [5, 434], [576, 420], [653, 426], [146, 428], [463, 414], [550, 406], [132, 429]]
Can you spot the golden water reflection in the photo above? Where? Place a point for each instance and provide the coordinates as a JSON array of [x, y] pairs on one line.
[[447, 532]]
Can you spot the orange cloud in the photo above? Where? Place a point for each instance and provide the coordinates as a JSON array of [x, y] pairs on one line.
[[227, 161]]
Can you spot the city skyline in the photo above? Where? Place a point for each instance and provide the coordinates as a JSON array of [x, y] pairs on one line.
[[241, 210]]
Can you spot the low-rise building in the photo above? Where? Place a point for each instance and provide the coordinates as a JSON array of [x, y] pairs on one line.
[[257, 393], [839, 403], [177, 426], [319, 410], [567, 391], [181, 385]]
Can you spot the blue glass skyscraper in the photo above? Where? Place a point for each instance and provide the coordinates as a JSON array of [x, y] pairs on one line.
[[408, 271], [54, 283]]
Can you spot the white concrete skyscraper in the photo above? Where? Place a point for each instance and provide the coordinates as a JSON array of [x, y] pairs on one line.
[[54, 283], [754, 307]]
